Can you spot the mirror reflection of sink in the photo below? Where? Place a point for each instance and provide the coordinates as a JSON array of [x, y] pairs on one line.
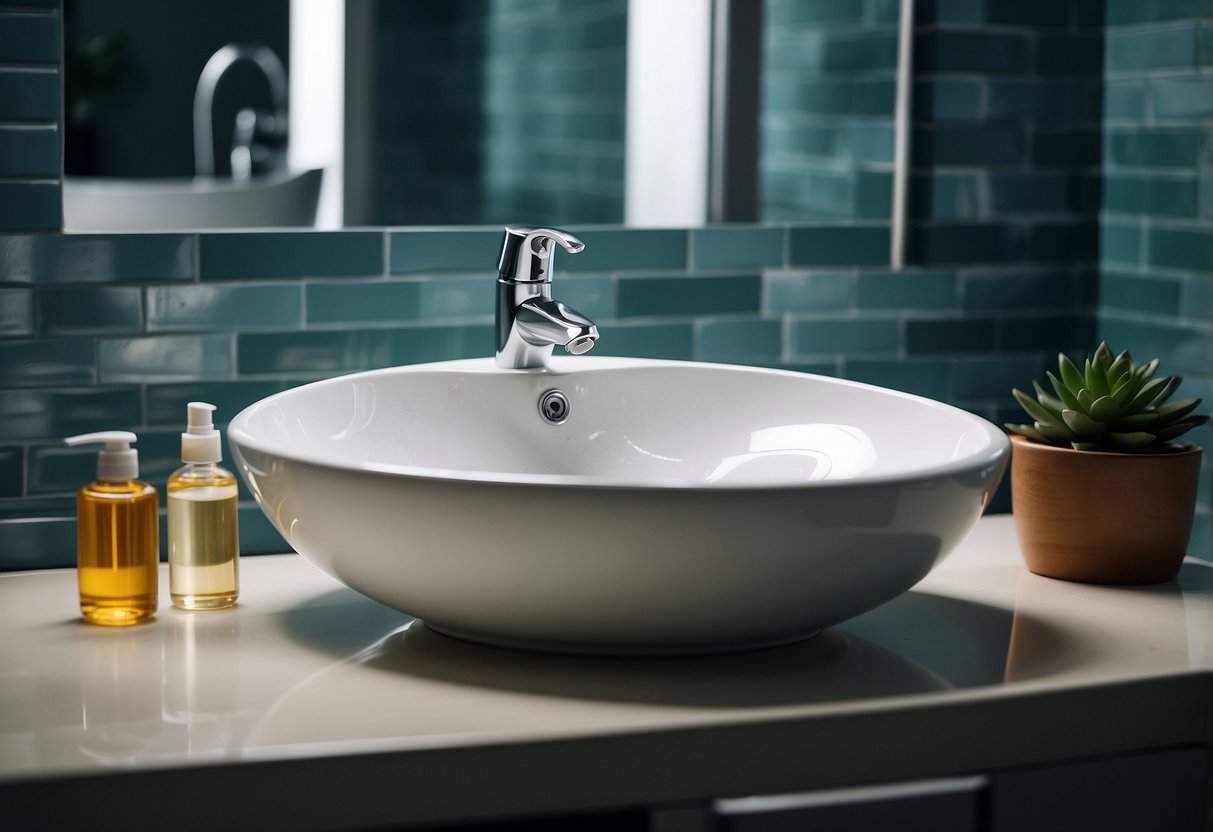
[[281, 198], [670, 508]]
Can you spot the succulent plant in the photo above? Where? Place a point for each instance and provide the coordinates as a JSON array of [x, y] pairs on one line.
[[1108, 405]]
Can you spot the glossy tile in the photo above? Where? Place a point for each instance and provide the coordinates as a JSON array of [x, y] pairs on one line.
[[1151, 48], [591, 295], [651, 296], [1182, 349], [807, 291], [826, 245], [467, 297], [972, 51], [87, 310], [1001, 289], [93, 258], [922, 377], [627, 249], [845, 336], [992, 377], [37, 543], [47, 362], [29, 151], [350, 350], [166, 358], [732, 340], [30, 206], [942, 336], [29, 38], [1181, 248], [909, 289], [648, 340], [223, 306], [454, 250], [225, 256], [363, 300], [741, 247], [967, 243], [1045, 333], [16, 312], [12, 470], [56, 413], [1182, 97], [29, 94], [1153, 147], [257, 534]]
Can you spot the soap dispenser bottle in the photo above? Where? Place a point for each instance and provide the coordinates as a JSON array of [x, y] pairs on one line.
[[203, 539], [117, 535]]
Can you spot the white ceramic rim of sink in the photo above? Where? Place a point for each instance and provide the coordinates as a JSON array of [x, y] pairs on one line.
[[559, 367]]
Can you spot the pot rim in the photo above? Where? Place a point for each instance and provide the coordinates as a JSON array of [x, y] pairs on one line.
[[1169, 451]]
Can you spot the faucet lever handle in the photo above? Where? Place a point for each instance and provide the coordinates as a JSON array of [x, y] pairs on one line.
[[526, 255]]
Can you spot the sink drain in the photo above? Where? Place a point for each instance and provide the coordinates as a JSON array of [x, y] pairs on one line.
[[554, 407]]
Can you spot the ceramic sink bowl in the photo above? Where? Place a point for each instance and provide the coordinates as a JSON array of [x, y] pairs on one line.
[[659, 507]]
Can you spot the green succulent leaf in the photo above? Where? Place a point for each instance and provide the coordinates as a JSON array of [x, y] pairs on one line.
[[1051, 402], [1064, 393], [1135, 421], [1146, 395], [1056, 434], [1105, 409], [1085, 400], [1096, 378], [1070, 373], [1168, 390], [1180, 428], [1027, 431], [1121, 366], [1082, 424], [1146, 371], [1130, 441], [1106, 403], [1173, 411], [1122, 390], [1036, 410]]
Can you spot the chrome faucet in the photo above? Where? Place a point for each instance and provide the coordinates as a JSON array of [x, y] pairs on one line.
[[264, 126], [529, 321]]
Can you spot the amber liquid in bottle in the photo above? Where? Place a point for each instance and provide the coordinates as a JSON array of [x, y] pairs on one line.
[[117, 551], [204, 541]]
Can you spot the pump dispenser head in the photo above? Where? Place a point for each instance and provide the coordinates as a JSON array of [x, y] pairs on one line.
[[200, 442], [118, 461]]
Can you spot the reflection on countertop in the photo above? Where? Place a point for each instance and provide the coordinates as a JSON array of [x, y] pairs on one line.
[[304, 660]]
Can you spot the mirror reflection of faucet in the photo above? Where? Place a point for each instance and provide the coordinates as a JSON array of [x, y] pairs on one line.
[[529, 321], [260, 138]]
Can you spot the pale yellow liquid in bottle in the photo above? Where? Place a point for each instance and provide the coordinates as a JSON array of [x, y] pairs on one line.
[[204, 541], [117, 552]]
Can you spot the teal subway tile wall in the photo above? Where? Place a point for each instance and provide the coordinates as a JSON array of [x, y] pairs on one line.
[[1156, 257], [486, 138], [1036, 225], [826, 122]]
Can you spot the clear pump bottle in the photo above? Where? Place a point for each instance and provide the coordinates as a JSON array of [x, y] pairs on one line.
[[203, 538], [117, 536]]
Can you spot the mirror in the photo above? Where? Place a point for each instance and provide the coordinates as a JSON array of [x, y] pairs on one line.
[[487, 111]]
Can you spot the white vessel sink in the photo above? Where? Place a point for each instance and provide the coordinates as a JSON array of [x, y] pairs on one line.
[[679, 508]]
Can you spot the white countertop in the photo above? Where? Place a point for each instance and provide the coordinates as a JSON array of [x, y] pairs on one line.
[[306, 683]]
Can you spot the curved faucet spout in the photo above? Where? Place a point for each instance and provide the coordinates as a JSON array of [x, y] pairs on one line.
[[543, 322], [208, 81]]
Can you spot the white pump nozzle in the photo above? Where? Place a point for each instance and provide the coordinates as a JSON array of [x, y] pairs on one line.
[[118, 461], [200, 442]]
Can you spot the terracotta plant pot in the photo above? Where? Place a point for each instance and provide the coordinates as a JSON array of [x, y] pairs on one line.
[[1103, 517]]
